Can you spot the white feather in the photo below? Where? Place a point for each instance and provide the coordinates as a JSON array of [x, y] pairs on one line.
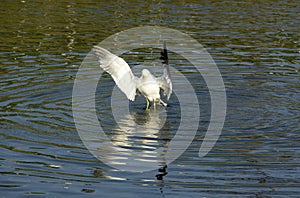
[[147, 84], [119, 71]]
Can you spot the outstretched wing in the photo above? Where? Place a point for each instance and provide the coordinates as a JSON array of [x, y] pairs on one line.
[[118, 69], [165, 81]]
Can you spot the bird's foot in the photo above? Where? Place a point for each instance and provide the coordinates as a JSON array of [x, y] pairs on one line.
[[163, 103]]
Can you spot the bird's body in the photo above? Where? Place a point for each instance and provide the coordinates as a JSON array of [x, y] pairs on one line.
[[148, 85]]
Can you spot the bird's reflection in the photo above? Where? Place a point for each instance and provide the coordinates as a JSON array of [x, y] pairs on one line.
[[135, 142], [139, 140], [140, 130]]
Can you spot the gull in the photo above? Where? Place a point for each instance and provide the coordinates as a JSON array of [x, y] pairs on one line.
[[148, 85]]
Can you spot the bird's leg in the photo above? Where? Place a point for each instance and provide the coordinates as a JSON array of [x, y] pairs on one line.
[[147, 106], [163, 103]]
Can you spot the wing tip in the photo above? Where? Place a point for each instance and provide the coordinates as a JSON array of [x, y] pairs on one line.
[[164, 54], [100, 51]]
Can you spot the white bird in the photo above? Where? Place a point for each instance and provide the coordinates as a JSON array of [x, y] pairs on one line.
[[148, 85]]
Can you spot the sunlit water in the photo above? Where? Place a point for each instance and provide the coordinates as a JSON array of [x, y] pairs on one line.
[[256, 47]]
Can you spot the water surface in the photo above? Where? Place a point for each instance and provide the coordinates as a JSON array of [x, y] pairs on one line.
[[256, 47]]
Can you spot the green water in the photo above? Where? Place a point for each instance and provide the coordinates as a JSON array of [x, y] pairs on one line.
[[255, 45]]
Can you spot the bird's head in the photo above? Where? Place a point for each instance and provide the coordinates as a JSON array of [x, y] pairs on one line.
[[145, 72]]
